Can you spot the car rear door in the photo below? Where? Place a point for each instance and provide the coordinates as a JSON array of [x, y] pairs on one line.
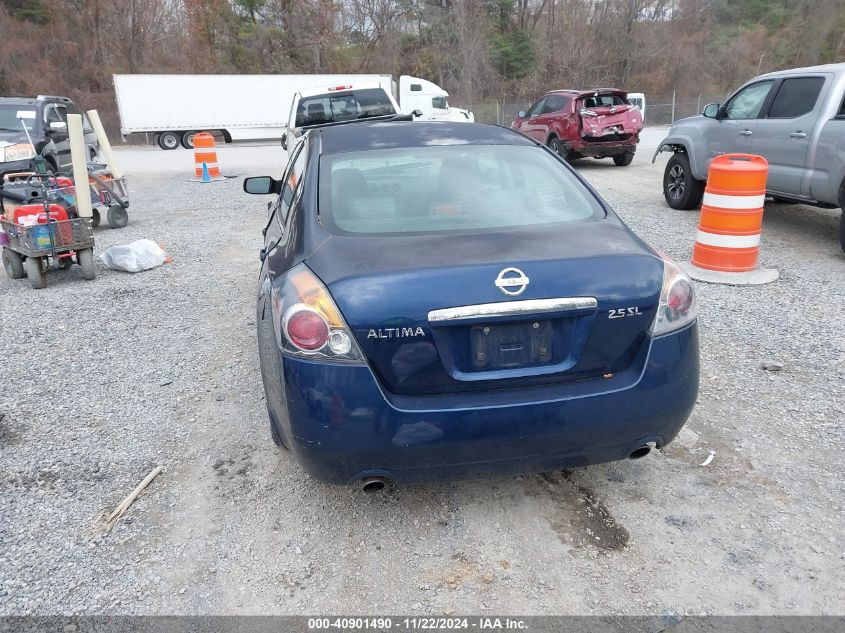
[[783, 136]]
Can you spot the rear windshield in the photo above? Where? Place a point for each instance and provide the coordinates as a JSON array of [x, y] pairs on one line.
[[449, 189], [343, 106], [603, 101]]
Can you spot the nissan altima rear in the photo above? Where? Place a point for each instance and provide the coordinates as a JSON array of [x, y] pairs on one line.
[[443, 301]]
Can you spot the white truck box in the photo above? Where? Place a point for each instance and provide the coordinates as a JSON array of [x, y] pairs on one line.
[[241, 107]]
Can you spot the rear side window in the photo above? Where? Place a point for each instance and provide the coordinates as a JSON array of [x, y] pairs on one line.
[[604, 101], [72, 108], [449, 189], [796, 97], [293, 178], [343, 106], [841, 112]]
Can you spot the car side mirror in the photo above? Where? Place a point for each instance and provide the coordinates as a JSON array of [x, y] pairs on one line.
[[521, 114], [417, 114], [586, 112], [285, 140], [58, 126], [260, 185], [711, 111]]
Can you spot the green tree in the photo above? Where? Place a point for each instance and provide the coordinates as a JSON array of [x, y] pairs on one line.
[[28, 10]]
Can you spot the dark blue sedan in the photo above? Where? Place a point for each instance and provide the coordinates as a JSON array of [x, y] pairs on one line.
[[442, 301]]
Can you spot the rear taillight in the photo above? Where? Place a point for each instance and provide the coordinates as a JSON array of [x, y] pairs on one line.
[[305, 328], [677, 307], [307, 321]]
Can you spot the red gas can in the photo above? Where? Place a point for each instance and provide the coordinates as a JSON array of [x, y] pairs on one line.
[[57, 212]]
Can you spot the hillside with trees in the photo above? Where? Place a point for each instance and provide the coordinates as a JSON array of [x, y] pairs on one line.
[[481, 51]]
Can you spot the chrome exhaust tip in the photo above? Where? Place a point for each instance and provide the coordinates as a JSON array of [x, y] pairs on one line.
[[372, 485], [642, 451]]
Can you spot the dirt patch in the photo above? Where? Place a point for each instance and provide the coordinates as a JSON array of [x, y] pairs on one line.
[[582, 518]]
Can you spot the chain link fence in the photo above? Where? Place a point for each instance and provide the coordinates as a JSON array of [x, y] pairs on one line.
[[659, 109]]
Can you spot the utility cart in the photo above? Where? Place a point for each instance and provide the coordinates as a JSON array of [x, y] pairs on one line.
[[43, 232], [111, 193], [33, 250]]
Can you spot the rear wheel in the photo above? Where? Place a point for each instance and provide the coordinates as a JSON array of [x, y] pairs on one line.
[[623, 160], [117, 217], [188, 140], [13, 264], [278, 440], [95, 218], [680, 189], [169, 140], [85, 258], [842, 229], [842, 216], [557, 147], [35, 271]]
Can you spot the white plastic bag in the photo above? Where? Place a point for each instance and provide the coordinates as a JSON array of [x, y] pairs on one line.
[[134, 257]]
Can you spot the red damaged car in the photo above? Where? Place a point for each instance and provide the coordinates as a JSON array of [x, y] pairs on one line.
[[598, 123]]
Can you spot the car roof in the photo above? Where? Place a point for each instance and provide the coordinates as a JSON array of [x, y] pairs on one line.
[[569, 92], [19, 100], [826, 68], [363, 136], [333, 89]]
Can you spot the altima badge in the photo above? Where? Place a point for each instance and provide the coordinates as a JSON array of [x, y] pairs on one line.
[[512, 281]]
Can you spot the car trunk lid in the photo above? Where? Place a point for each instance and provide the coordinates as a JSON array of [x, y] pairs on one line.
[[435, 314]]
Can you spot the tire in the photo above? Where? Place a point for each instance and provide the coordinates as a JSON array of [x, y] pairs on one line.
[[623, 160], [13, 264], [169, 140], [95, 218], [187, 140], [85, 258], [557, 147], [35, 271], [274, 433], [680, 189], [842, 230], [117, 216]]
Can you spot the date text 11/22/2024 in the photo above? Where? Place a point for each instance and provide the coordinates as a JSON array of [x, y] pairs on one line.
[[417, 624]]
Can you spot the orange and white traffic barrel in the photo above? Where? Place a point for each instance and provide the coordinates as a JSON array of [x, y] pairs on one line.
[[205, 158], [728, 237], [731, 222]]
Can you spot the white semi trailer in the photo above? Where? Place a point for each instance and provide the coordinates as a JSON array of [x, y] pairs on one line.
[[245, 107]]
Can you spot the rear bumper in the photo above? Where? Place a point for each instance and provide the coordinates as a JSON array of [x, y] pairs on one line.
[[609, 148], [341, 427]]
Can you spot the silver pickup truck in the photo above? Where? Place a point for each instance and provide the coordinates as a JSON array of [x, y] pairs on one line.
[[794, 118]]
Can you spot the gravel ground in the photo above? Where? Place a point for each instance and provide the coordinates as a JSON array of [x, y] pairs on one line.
[[104, 380]]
